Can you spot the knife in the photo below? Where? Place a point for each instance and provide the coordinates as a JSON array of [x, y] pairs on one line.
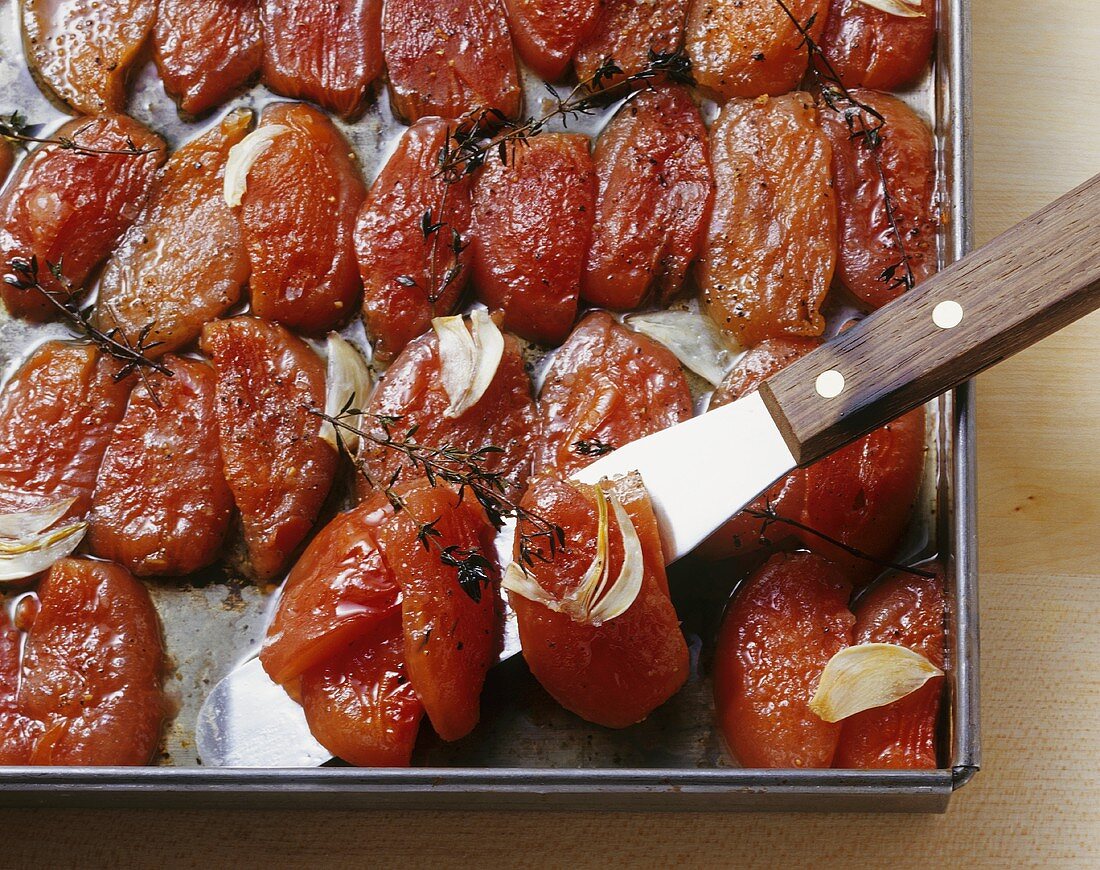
[[1029, 282]]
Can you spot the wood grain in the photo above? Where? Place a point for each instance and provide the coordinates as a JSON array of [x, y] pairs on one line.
[[1037, 802]]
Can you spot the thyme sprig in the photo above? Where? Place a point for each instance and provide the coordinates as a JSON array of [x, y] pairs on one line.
[[14, 128], [865, 125]]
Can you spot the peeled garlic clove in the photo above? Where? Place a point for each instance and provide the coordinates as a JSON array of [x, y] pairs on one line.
[[869, 675], [22, 524], [623, 592], [468, 358], [242, 156], [31, 555], [693, 338], [901, 8], [516, 579], [348, 384]]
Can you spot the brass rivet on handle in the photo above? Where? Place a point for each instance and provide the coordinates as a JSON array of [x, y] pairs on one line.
[[829, 384], [948, 314]]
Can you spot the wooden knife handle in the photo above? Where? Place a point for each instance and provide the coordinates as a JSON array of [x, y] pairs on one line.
[[1031, 281]]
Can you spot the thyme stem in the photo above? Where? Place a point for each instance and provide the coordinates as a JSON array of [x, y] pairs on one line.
[[13, 128]]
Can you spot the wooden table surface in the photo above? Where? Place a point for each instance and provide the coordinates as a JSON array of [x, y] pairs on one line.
[[1037, 802]]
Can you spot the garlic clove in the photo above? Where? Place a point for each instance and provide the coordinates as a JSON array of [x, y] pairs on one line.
[[348, 384], [693, 338], [869, 675], [469, 358], [242, 156]]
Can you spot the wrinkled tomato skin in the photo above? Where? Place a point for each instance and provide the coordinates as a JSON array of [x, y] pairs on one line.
[[654, 200], [907, 610], [276, 464], [206, 50], [451, 639], [617, 673], [532, 224], [547, 33], [448, 58], [326, 51], [772, 242], [338, 592], [83, 51], [626, 30], [782, 627], [182, 263], [361, 706], [504, 417], [607, 385], [749, 48], [392, 247], [298, 222], [161, 505], [93, 670], [57, 414], [72, 207], [868, 245], [869, 48]]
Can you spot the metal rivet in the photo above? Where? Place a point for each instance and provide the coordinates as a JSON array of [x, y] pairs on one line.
[[829, 384], [947, 315]]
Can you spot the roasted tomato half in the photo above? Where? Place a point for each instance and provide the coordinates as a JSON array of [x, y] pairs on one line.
[[83, 51], [871, 263], [277, 466], [784, 624], [870, 48], [606, 386], [206, 50], [613, 672], [628, 31], [7, 159], [771, 247], [748, 48], [411, 240], [654, 200], [907, 610], [90, 683], [449, 57], [327, 51], [532, 226], [70, 207], [182, 263], [57, 414], [298, 220], [161, 504], [548, 32]]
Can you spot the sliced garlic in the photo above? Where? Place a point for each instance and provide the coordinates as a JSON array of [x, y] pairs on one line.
[[348, 383], [468, 358], [623, 592], [32, 554], [578, 603], [242, 156], [901, 8], [516, 579], [693, 338], [22, 524], [869, 675]]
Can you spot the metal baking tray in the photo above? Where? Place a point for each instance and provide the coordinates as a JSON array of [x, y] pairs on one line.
[[528, 753]]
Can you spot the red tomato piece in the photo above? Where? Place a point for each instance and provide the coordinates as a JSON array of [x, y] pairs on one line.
[[870, 263], [772, 243], [72, 206], [298, 221], [907, 610], [782, 627], [654, 200], [206, 50], [161, 504], [327, 51], [450, 621], [532, 224], [83, 51], [748, 48], [57, 414], [182, 263], [616, 673], [18, 732], [448, 58], [409, 277], [606, 386], [7, 159], [627, 31], [277, 466], [548, 32], [869, 48], [340, 591], [92, 673], [361, 706]]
